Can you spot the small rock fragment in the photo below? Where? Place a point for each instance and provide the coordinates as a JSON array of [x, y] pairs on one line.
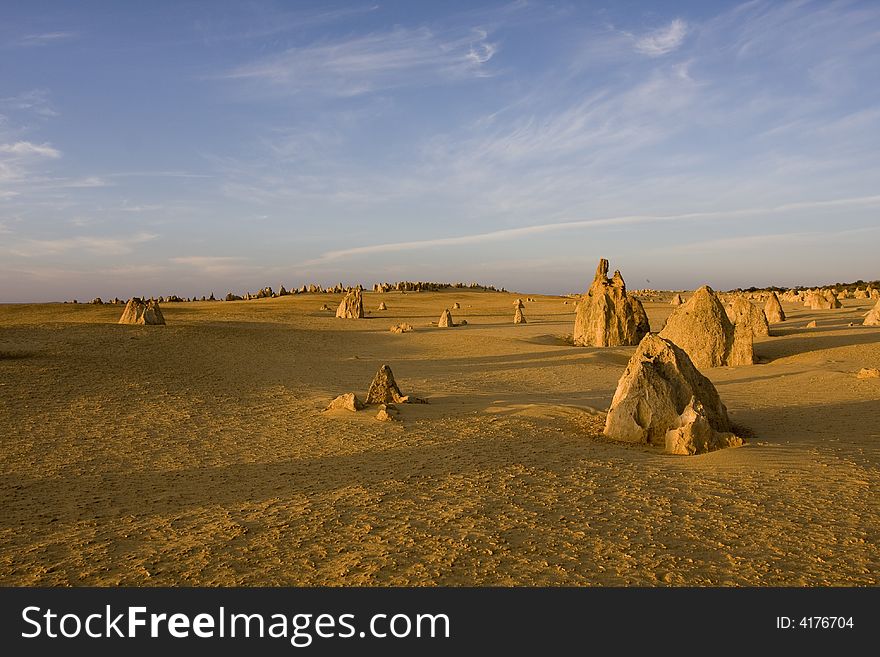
[[347, 401]]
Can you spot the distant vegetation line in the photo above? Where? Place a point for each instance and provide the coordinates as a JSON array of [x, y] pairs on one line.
[[268, 293], [851, 287], [425, 286]]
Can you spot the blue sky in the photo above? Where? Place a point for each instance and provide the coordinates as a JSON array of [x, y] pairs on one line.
[[190, 147]]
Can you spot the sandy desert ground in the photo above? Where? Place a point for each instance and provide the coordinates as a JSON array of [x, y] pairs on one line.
[[197, 454]]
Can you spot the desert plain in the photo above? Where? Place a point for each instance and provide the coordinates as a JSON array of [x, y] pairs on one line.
[[199, 453]]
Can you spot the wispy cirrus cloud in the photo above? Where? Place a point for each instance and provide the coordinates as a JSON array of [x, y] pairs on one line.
[[382, 60], [148, 207], [94, 244], [527, 231], [83, 183], [482, 51], [33, 100], [663, 40], [749, 243], [26, 148], [265, 22], [618, 117], [212, 264], [17, 161], [156, 174], [45, 38]]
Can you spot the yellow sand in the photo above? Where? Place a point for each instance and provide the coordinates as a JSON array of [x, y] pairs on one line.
[[197, 453]]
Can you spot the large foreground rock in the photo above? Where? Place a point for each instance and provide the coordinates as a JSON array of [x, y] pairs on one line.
[[351, 306], [662, 399], [701, 327], [605, 316], [138, 311]]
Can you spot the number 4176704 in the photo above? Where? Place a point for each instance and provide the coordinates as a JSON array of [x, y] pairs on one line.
[[814, 622]]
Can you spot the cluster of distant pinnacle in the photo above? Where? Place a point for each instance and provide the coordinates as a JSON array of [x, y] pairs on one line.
[[401, 286], [268, 293]]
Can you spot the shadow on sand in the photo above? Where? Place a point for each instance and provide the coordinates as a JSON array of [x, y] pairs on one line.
[[808, 340], [853, 423]]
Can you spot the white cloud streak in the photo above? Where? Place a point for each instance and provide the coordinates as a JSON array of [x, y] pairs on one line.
[[268, 23], [45, 38], [401, 57], [751, 243], [84, 183], [156, 174], [26, 148], [211, 264], [664, 40], [29, 248], [526, 231], [34, 100], [218, 265]]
